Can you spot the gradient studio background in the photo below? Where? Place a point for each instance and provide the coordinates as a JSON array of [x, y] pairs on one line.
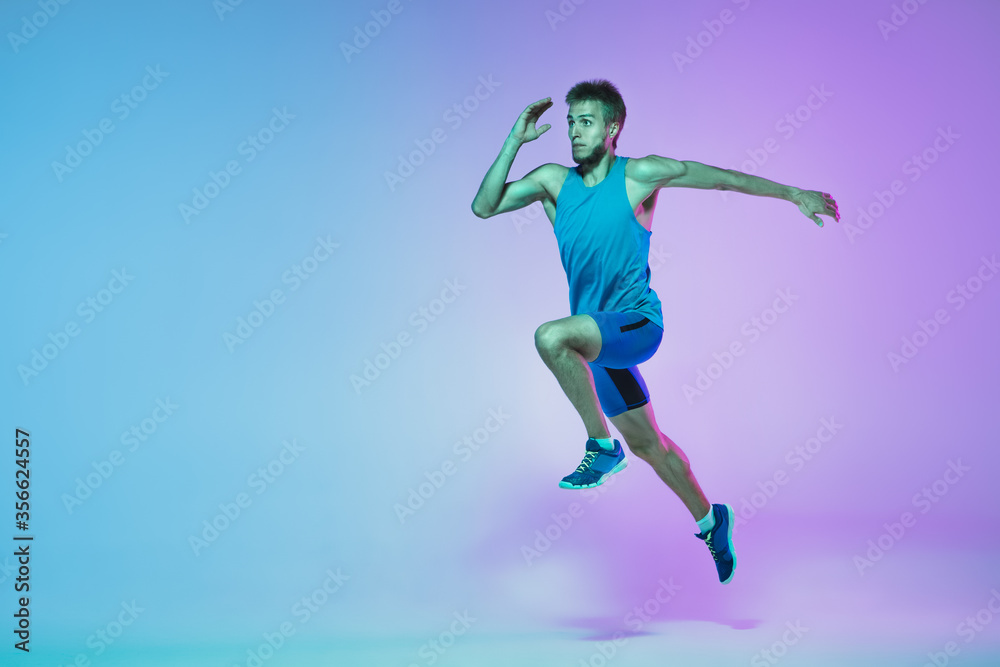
[[211, 367]]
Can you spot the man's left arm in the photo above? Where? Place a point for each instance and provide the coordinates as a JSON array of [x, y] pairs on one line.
[[662, 172]]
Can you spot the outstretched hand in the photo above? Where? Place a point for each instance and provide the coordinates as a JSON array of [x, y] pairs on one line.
[[813, 203], [524, 129]]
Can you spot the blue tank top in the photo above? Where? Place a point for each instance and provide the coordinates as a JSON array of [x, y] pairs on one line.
[[603, 248]]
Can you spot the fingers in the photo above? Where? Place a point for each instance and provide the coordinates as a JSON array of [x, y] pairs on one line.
[[832, 206], [545, 102], [826, 206], [542, 108], [544, 128]]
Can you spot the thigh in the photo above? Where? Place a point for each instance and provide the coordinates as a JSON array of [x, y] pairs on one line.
[[619, 390], [629, 338]]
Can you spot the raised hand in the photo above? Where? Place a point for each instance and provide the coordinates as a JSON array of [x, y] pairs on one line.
[[813, 203], [524, 129]]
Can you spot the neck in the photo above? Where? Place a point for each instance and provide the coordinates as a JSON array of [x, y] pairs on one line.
[[596, 171]]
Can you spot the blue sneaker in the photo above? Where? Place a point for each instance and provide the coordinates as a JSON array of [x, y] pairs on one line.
[[720, 542], [598, 464]]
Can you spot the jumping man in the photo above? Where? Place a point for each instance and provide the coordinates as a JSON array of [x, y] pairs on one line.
[[602, 212]]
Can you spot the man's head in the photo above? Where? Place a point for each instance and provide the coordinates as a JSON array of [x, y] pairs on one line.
[[596, 117]]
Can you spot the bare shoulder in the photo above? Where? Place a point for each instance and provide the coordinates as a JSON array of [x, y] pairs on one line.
[[551, 176], [653, 170]]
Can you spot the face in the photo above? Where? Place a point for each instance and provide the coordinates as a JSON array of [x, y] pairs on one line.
[[588, 135]]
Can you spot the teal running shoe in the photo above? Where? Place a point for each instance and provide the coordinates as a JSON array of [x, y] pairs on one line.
[[720, 542], [598, 464]]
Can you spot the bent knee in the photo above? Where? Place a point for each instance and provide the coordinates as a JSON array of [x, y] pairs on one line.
[[644, 445], [549, 337]]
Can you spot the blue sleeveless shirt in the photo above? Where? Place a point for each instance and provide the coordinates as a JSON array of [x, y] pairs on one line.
[[604, 249]]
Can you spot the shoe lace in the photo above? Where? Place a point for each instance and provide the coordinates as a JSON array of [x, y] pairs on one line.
[[711, 547], [588, 459]]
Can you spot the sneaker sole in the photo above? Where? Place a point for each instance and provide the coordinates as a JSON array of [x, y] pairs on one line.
[[618, 468]]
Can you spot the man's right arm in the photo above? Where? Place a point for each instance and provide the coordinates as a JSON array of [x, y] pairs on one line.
[[496, 196]]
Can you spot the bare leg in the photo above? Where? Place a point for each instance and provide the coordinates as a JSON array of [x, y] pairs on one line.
[[638, 426], [566, 346]]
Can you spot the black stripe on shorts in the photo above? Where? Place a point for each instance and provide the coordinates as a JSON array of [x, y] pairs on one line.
[[628, 327], [627, 386]]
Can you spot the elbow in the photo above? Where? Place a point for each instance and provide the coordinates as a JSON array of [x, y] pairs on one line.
[[479, 212]]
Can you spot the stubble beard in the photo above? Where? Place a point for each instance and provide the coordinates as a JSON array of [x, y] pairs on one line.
[[595, 156]]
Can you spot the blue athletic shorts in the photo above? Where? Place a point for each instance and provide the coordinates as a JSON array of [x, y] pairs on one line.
[[627, 339]]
